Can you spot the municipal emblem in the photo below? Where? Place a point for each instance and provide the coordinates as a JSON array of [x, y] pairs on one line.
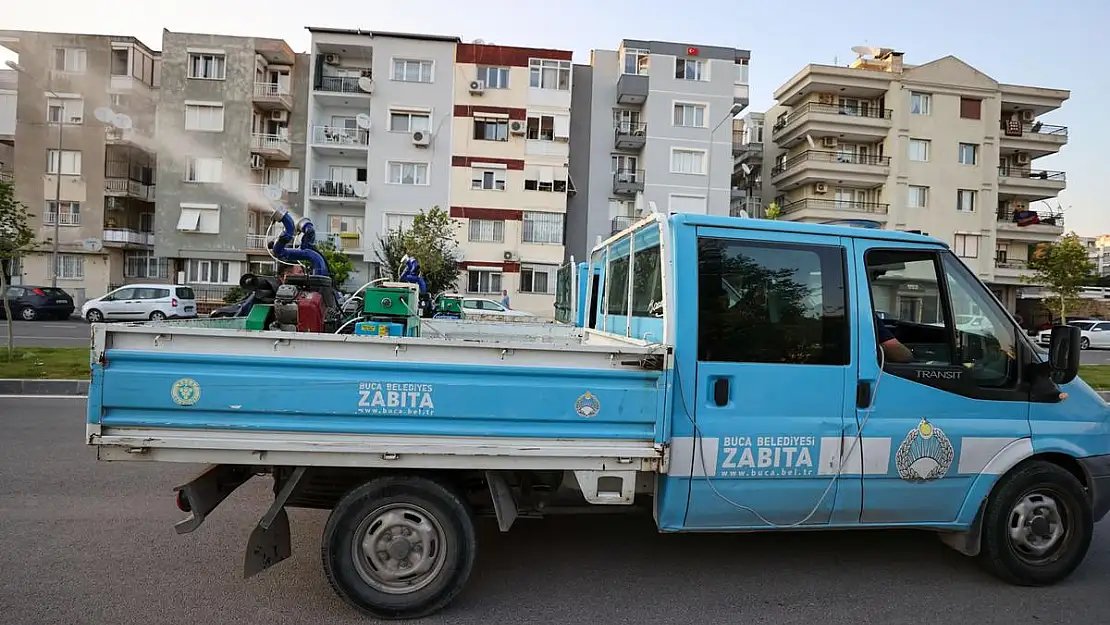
[[185, 392], [587, 405], [925, 454]]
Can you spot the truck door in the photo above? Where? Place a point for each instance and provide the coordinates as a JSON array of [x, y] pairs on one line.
[[948, 399], [774, 379]]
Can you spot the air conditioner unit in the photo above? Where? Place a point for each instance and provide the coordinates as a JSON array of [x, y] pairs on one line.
[[511, 255], [1028, 116], [257, 162], [1021, 158], [828, 142], [279, 116], [518, 126], [421, 138], [477, 87], [331, 59], [820, 187]]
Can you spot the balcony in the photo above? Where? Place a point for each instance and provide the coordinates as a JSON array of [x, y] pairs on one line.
[[270, 96], [1010, 270], [271, 146], [261, 194], [753, 206], [130, 137], [346, 241], [1029, 226], [68, 219], [629, 135], [339, 140], [632, 89], [256, 242], [628, 181], [749, 152], [1035, 139], [126, 237], [849, 168], [7, 176], [851, 124], [333, 90], [125, 187], [621, 223], [1030, 184], [336, 190], [821, 210]]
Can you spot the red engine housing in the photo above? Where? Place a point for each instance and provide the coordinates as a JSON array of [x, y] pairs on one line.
[[310, 312]]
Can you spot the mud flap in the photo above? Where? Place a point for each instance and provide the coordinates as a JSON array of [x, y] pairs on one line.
[[269, 543], [207, 491]]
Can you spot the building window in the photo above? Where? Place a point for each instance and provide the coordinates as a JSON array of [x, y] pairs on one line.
[[73, 60], [549, 74], [71, 267], [541, 128], [483, 281], [143, 264], [539, 227], [487, 179], [65, 110], [921, 103], [690, 69], [918, 197], [410, 70], [408, 173], [966, 246], [207, 66], [970, 108], [209, 271], [486, 231], [965, 200], [70, 213], [121, 61], [395, 222], [689, 115], [772, 303], [70, 161], [494, 77], [687, 161], [490, 129], [208, 170], [543, 179], [287, 179], [969, 154], [535, 279], [919, 150], [636, 61], [408, 121], [204, 117], [199, 218]]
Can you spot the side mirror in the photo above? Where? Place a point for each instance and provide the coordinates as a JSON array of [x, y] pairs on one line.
[[1064, 354]]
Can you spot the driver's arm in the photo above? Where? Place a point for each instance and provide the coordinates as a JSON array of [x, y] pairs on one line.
[[893, 349]]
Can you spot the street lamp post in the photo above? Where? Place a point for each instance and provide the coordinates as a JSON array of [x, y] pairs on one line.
[[733, 111]]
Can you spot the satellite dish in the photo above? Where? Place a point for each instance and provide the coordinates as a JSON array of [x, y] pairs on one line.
[[272, 193], [864, 50], [104, 115], [478, 41], [92, 245], [366, 83], [122, 121], [360, 189], [363, 121], [746, 168], [811, 142]]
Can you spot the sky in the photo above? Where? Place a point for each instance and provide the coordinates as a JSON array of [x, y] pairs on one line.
[[1057, 44]]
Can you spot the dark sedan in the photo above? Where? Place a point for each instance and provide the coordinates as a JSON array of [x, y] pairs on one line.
[[38, 302]]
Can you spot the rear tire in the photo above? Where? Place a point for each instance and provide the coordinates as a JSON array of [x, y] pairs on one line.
[[28, 314], [399, 547], [157, 316], [1037, 527], [1084, 343]]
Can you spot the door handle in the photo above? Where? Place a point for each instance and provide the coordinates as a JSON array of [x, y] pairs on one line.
[[863, 394], [720, 391]]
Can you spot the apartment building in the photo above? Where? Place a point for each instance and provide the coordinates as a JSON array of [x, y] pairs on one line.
[[509, 174], [747, 170], [651, 131], [939, 148], [378, 134], [1098, 252], [226, 151], [9, 89], [87, 172]]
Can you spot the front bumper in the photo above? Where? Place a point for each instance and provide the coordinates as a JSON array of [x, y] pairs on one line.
[[1098, 468]]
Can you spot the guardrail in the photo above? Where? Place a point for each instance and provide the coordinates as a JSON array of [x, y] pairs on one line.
[[836, 205], [340, 135], [341, 84], [798, 112], [1032, 174], [1012, 128], [846, 158]]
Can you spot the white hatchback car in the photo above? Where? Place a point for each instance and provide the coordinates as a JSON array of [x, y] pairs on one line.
[[142, 302], [478, 307]]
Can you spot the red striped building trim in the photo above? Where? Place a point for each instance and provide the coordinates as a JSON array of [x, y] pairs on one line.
[[506, 56], [462, 110], [497, 214], [467, 161]]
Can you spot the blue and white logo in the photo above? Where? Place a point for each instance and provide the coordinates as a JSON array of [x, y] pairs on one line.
[[924, 455], [587, 405], [185, 392]]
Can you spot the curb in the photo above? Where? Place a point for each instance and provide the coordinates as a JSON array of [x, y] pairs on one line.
[[44, 387]]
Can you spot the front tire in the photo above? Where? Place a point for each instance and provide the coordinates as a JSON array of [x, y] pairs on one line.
[[94, 316], [399, 547], [1037, 527]]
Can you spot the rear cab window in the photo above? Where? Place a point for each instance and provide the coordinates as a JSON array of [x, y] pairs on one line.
[[184, 292]]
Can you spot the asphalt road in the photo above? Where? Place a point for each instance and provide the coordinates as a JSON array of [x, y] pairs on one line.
[[89, 542]]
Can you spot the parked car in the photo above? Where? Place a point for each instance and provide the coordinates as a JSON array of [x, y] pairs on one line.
[[38, 302], [139, 302], [477, 307], [1048, 325], [1093, 333]]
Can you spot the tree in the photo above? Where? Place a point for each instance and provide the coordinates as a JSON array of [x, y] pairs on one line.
[[1062, 268], [338, 262], [433, 240], [16, 237]]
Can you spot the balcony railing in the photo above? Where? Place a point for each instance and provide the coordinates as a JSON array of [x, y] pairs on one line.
[[750, 205], [846, 158], [799, 112], [334, 189], [256, 241], [341, 84], [7, 176], [630, 129], [127, 236], [345, 240], [270, 90], [1011, 128], [836, 205], [1011, 264], [265, 191], [68, 219], [621, 223], [130, 187], [1032, 218], [271, 142], [1032, 174], [628, 181], [340, 136]]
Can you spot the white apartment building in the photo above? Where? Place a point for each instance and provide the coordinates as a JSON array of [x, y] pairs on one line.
[[378, 135], [940, 148], [509, 175]]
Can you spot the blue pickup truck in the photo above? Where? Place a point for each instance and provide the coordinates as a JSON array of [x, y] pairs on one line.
[[725, 375]]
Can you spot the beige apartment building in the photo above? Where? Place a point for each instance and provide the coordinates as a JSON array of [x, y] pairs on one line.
[[98, 187], [940, 148]]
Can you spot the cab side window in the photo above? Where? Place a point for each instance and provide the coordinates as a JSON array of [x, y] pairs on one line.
[[771, 303]]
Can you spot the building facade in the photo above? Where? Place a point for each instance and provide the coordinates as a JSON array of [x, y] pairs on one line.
[[940, 148], [651, 131], [224, 120], [747, 170], [509, 174], [82, 168]]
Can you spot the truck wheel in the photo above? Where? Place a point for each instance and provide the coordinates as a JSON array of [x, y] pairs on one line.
[[1037, 527], [399, 547]]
